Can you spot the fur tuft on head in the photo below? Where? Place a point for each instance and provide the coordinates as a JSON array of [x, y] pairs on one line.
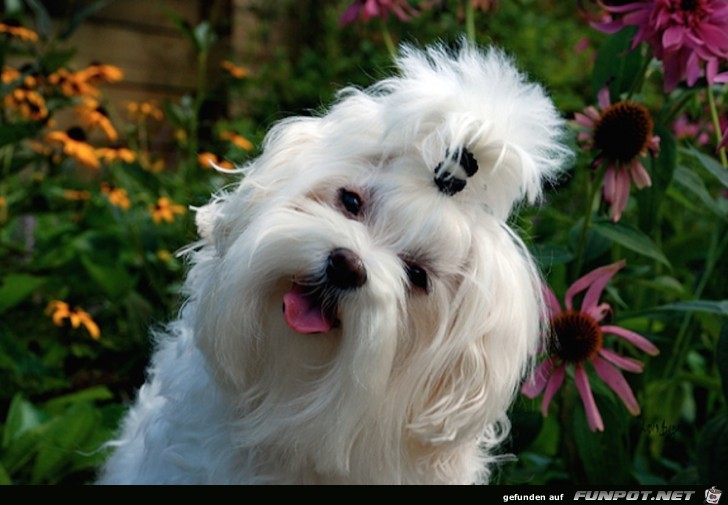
[[445, 99]]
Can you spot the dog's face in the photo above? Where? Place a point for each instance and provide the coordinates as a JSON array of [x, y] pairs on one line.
[[361, 284]]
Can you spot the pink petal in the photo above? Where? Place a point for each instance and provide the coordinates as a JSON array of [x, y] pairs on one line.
[[628, 364], [722, 78], [711, 70], [621, 194], [532, 387], [634, 6], [654, 145], [639, 175], [713, 37], [603, 98], [592, 113], [350, 14], [552, 303], [590, 407], [673, 37], [600, 311], [673, 74], [372, 9], [585, 137], [637, 18], [557, 378], [633, 338], [608, 25], [610, 184], [583, 120], [615, 380], [693, 69], [594, 282]]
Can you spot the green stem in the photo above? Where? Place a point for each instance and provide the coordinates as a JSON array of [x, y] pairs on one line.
[[637, 84], [470, 20], [569, 449], [388, 40], [591, 192], [716, 126]]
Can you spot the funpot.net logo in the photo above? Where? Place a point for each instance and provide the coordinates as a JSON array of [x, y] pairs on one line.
[[633, 495]]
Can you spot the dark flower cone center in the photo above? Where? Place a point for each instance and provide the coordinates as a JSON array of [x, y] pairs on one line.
[[575, 337], [76, 134], [624, 131], [689, 5], [691, 13]]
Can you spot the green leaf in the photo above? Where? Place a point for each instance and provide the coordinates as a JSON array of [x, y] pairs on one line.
[[79, 15], [710, 164], [204, 36], [721, 358], [665, 284], [12, 133], [21, 450], [84, 396], [42, 18], [184, 26], [603, 454], [113, 279], [13, 8], [718, 307], [54, 60], [4, 477], [24, 426], [631, 238], [525, 428], [547, 255], [712, 451], [22, 417], [693, 183], [17, 287], [616, 65], [65, 441]]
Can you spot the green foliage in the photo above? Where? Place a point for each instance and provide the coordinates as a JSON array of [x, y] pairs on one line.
[[101, 239]]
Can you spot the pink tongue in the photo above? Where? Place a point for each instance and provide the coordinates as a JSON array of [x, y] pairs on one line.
[[303, 314]]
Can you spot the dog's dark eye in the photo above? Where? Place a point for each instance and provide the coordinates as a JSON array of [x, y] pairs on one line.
[[351, 201], [418, 277]]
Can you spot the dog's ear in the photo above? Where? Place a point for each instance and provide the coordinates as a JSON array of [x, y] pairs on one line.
[[283, 158], [487, 350]]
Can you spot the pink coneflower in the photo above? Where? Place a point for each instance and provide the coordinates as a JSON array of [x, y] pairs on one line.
[[690, 37], [577, 338], [621, 134], [369, 9]]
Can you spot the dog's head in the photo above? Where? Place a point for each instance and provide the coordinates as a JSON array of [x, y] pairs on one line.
[[361, 282]]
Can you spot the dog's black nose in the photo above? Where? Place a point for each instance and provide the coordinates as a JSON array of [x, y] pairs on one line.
[[345, 269]]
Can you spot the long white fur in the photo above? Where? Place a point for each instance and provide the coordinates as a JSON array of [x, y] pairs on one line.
[[413, 387]]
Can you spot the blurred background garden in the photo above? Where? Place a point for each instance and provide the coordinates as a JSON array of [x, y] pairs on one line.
[[119, 117]]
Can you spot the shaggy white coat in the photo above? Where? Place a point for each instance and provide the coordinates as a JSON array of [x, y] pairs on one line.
[[413, 385]]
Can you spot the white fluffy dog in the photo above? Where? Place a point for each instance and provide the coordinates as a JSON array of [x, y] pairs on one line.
[[410, 309]]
